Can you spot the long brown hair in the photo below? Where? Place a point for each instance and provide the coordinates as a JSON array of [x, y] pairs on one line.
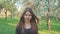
[[33, 21]]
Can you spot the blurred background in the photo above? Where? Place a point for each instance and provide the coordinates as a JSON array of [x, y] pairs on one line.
[[48, 12]]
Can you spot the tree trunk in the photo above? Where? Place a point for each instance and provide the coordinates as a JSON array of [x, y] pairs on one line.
[[0, 10], [48, 20], [11, 15], [6, 14]]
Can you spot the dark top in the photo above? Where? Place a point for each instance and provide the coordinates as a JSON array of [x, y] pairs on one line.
[[27, 31]]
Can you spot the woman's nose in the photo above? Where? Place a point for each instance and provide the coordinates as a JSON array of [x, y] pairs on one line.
[[27, 17]]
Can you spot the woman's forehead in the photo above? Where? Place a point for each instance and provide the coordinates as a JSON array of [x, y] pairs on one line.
[[27, 12]]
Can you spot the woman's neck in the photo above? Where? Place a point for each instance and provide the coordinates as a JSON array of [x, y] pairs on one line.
[[27, 22], [27, 25]]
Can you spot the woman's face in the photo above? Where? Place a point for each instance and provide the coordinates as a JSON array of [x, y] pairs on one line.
[[27, 16]]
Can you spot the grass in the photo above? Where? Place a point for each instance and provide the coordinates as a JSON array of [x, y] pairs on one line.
[[54, 24], [8, 26]]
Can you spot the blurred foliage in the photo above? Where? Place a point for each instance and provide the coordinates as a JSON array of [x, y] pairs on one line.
[[40, 7]]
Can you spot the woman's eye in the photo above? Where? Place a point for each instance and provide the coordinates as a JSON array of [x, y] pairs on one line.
[[25, 14], [30, 15]]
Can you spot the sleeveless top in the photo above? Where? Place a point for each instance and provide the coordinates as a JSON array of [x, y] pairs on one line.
[[27, 31]]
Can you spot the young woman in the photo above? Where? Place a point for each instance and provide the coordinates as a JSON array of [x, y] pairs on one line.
[[27, 23]]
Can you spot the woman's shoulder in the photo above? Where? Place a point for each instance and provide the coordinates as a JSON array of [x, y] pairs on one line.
[[18, 30]]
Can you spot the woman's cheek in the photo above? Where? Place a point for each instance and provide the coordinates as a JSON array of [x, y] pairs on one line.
[[24, 17], [30, 17]]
